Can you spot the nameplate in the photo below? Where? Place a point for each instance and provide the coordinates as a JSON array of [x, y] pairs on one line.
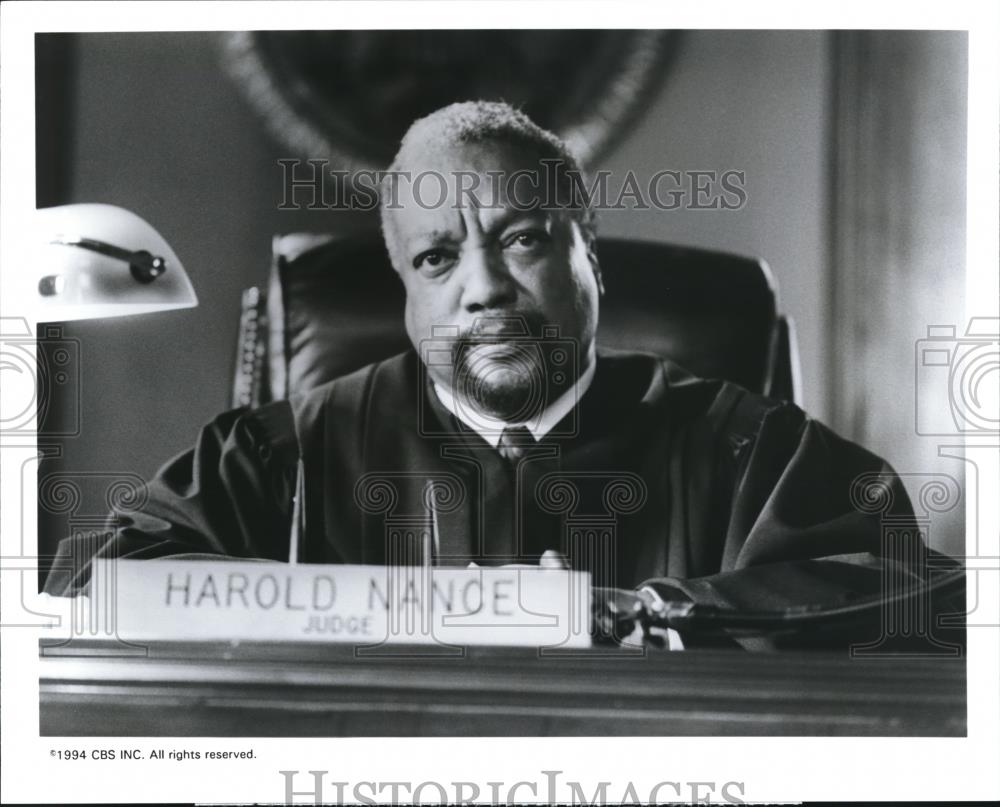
[[362, 605]]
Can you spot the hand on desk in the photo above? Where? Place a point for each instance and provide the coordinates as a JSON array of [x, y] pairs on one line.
[[550, 559], [617, 614]]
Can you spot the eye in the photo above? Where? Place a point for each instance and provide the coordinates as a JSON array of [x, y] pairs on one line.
[[433, 262], [526, 240]]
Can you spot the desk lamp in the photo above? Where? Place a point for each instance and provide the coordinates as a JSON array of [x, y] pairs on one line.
[[93, 261]]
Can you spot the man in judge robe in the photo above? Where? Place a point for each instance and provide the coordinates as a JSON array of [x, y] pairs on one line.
[[512, 436]]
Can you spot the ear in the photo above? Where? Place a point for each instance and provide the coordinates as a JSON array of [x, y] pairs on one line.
[[389, 239], [590, 241]]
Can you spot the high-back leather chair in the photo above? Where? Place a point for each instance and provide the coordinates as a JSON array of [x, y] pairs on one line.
[[334, 304]]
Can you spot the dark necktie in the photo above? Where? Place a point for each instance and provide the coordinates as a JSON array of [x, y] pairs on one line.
[[514, 442]]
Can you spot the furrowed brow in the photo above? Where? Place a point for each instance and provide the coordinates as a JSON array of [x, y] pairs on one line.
[[432, 238], [513, 215]]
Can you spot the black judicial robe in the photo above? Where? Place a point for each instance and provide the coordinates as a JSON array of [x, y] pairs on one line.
[[731, 498]]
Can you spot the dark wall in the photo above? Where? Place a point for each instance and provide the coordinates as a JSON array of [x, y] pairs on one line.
[[159, 129], [150, 122]]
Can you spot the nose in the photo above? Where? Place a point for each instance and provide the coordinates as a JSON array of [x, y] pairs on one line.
[[487, 282]]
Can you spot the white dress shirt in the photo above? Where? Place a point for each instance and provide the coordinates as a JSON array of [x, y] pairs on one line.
[[490, 428]]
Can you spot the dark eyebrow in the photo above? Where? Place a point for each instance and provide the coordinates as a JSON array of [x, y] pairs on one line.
[[513, 215], [430, 239]]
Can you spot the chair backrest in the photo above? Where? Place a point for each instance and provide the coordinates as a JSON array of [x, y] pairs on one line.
[[334, 304]]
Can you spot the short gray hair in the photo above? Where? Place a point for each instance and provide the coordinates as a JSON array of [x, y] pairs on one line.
[[490, 122]]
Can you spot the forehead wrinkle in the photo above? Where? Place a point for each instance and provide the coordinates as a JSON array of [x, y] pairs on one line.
[[436, 233], [495, 220], [490, 221], [432, 237]]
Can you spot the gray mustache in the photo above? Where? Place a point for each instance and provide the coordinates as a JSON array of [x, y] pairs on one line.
[[503, 328]]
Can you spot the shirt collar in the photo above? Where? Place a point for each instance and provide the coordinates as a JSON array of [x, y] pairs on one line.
[[489, 429]]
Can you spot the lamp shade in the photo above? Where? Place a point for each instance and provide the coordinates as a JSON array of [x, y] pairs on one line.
[[92, 261]]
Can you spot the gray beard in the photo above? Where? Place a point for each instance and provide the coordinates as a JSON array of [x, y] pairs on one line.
[[509, 387]]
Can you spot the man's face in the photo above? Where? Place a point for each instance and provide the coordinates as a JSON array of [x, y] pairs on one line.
[[483, 267]]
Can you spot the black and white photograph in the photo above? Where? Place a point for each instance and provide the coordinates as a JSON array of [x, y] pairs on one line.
[[497, 403]]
